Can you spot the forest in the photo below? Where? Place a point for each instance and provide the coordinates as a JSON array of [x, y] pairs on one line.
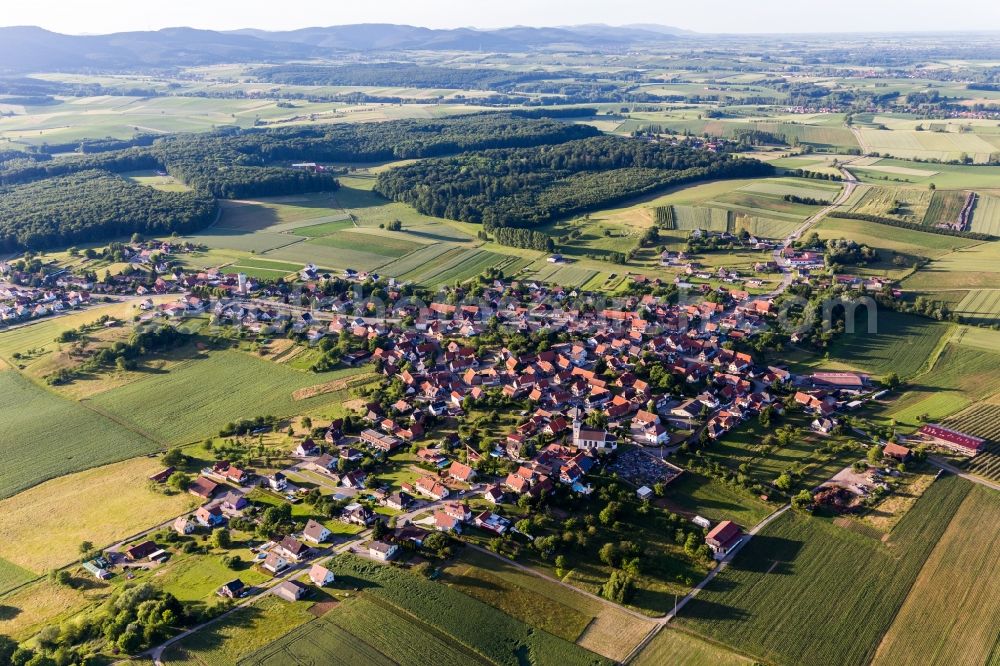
[[522, 187], [396, 75], [94, 205], [45, 202], [362, 142]]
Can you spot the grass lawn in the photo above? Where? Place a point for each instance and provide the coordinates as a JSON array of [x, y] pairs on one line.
[[951, 615], [695, 495], [795, 593], [245, 631], [202, 395], [197, 578], [41, 528]]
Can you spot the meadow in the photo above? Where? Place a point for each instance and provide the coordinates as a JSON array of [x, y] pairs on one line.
[[199, 396], [950, 615], [42, 527], [12, 576], [44, 435], [679, 648], [696, 495], [30, 607], [786, 599], [248, 629]]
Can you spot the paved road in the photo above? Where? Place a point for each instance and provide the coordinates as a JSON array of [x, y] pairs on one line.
[[850, 182], [948, 467]]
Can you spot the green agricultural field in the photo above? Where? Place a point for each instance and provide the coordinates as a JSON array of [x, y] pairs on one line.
[[688, 218], [945, 208], [945, 146], [961, 375], [325, 256], [901, 343], [608, 629], [519, 602], [986, 215], [472, 625], [386, 246], [814, 189], [951, 615], [12, 576], [324, 228], [786, 598], [363, 627], [201, 395], [415, 263], [679, 648], [970, 266], [277, 214], [43, 435], [943, 176], [244, 241], [560, 274], [980, 306]]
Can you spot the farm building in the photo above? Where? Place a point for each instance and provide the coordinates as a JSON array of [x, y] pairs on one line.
[[952, 439], [896, 451], [723, 538]]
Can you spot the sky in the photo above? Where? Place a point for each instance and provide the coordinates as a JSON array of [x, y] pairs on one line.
[[714, 16]]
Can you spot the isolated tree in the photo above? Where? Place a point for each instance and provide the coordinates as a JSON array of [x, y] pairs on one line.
[[221, 538]]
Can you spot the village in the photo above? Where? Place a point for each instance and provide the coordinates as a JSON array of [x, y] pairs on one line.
[[589, 397]]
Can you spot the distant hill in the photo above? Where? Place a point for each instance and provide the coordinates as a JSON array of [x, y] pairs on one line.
[[29, 48], [516, 38]]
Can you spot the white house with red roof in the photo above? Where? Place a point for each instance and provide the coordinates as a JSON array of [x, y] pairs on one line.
[[723, 538]]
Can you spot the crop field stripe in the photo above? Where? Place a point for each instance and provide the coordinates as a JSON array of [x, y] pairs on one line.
[[986, 216], [76, 438], [786, 599], [950, 615]]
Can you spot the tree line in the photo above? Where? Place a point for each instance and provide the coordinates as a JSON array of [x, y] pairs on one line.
[[524, 187]]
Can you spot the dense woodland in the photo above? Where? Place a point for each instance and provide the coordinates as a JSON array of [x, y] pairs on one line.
[[528, 186], [362, 142], [397, 74], [94, 205], [46, 202]]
